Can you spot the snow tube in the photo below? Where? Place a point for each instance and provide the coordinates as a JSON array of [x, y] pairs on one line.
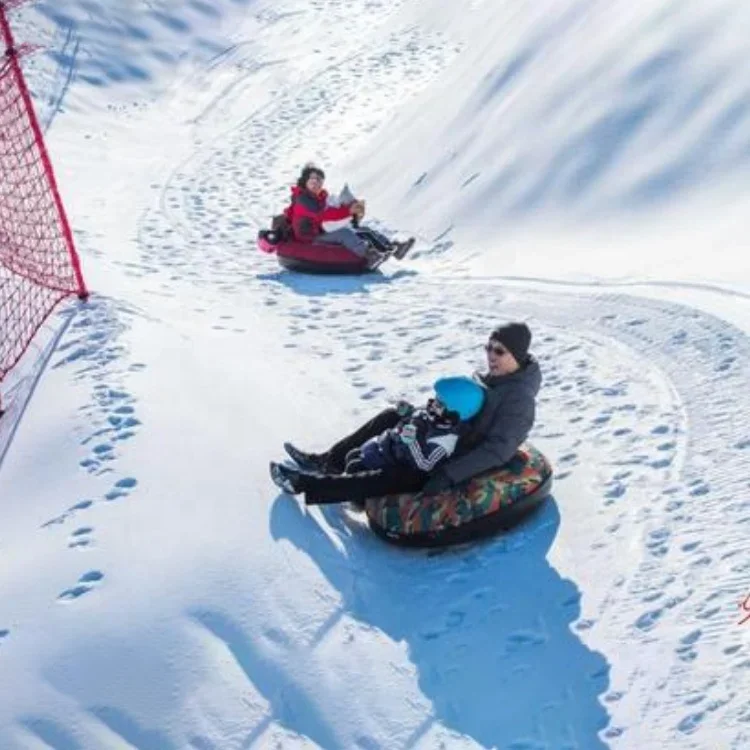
[[314, 258], [489, 503]]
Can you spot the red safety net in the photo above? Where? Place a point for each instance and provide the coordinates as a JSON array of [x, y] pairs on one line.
[[39, 265]]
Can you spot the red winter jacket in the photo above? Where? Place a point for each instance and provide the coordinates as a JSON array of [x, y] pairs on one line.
[[307, 213]]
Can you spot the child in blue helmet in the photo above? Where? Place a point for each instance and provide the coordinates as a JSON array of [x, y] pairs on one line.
[[401, 455], [425, 437]]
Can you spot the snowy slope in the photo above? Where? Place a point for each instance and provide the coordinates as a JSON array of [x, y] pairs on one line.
[[581, 166]]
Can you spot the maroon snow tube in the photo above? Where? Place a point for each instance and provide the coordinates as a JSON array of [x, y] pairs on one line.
[[308, 257]]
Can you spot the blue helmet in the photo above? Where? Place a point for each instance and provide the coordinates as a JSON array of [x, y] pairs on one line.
[[461, 395]]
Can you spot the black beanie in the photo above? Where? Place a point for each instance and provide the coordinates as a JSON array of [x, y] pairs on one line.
[[515, 337], [306, 172]]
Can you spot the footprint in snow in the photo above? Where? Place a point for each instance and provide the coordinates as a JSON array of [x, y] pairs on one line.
[[85, 584], [685, 651], [617, 490], [660, 463], [54, 521], [649, 619], [82, 505], [121, 489], [372, 393], [80, 537], [657, 543], [691, 722], [89, 464], [614, 732], [652, 597], [708, 613]]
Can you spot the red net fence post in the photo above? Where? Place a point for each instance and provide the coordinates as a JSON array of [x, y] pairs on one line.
[[39, 265]]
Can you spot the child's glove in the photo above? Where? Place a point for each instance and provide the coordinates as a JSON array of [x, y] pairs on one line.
[[408, 433], [404, 408]]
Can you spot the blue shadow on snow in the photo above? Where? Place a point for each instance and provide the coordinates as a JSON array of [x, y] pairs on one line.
[[311, 285], [488, 627]]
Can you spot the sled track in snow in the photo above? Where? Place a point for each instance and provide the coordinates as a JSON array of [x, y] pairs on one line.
[[591, 287], [337, 13], [232, 176], [64, 75], [256, 122], [666, 470], [698, 524]]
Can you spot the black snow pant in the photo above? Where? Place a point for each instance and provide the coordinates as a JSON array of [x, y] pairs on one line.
[[358, 487], [375, 238]]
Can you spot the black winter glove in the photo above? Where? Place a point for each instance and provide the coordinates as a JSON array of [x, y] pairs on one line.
[[437, 483]]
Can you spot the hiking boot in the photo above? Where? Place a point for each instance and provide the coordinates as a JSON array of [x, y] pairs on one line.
[[286, 478], [306, 461], [401, 248]]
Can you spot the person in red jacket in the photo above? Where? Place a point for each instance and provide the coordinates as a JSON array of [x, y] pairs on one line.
[[310, 207]]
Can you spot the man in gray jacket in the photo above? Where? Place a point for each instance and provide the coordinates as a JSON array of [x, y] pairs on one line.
[[512, 382]]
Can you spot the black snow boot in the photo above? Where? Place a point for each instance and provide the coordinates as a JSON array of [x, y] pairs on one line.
[[311, 462], [400, 249], [286, 478]]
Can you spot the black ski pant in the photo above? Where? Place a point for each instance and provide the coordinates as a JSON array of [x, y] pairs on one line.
[[334, 487], [378, 240]]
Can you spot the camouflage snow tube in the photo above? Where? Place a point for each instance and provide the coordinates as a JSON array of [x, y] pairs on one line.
[[488, 503]]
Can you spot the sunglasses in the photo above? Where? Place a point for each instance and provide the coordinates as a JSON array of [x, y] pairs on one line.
[[496, 349]]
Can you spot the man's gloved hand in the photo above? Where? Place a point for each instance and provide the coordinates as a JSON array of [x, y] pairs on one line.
[[437, 483], [404, 408]]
